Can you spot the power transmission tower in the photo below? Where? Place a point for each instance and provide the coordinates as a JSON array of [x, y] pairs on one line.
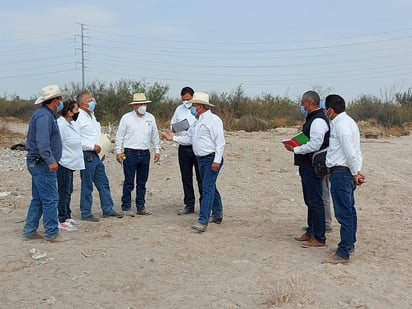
[[82, 50]]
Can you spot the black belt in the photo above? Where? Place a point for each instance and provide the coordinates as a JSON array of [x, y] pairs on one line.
[[338, 168], [210, 155], [136, 150], [186, 146]]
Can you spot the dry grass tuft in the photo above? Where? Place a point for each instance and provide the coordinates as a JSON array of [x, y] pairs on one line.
[[291, 291], [372, 128]]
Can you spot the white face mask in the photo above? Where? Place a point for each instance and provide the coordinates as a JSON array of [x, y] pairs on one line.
[[187, 104], [142, 109]]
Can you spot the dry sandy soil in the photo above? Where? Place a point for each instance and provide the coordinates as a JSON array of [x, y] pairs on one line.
[[249, 261]]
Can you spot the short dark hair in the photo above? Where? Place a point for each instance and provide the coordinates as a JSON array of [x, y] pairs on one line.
[[335, 102], [187, 90]]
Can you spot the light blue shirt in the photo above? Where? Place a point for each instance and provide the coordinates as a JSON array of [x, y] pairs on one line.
[[344, 144], [72, 154]]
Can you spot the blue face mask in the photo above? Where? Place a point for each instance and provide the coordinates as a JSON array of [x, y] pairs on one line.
[[193, 110], [322, 104], [303, 111], [60, 106], [92, 105]]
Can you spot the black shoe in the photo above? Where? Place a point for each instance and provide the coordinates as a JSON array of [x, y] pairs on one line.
[[216, 220], [90, 219], [185, 211], [113, 214]]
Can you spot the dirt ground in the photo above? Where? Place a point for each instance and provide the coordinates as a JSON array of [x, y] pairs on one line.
[[249, 261]]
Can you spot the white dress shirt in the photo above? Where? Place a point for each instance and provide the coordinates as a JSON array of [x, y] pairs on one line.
[[182, 113], [318, 129], [72, 154], [137, 132], [344, 144], [90, 130], [206, 135]]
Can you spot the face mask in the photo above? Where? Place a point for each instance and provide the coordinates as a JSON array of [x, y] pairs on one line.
[[75, 116], [92, 105], [141, 109], [187, 104], [60, 106], [303, 111], [193, 110], [322, 104]]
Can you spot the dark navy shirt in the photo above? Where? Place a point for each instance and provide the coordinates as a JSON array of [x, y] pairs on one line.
[[43, 138]]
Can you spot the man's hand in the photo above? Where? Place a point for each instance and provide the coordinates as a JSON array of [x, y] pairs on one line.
[[156, 157], [215, 166], [359, 179], [289, 147], [167, 135], [120, 157], [97, 148], [53, 167]]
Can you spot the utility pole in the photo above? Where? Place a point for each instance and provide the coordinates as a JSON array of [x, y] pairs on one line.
[[82, 37]]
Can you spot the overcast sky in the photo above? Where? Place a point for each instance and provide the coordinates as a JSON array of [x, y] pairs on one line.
[[284, 48]]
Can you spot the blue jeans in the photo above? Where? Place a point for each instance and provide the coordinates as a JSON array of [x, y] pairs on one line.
[[312, 195], [187, 160], [342, 189], [136, 165], [44, 201], [211, 200], [94, 172], [65, 189]]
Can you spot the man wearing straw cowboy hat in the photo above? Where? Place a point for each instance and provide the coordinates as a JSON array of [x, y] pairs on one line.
[[44, 150], [137, 130], [208, 140]]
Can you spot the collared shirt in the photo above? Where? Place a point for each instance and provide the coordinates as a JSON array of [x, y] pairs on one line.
[[344, 144], [137, 132], [43, 137], [90, 130], [182, 113], [72, 155], [206, 135], [318, 129]]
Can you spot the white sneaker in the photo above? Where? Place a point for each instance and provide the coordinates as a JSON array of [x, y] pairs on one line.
[[67, 226], [72, 222]]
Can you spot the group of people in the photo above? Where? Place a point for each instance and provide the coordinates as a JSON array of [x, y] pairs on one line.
[[65, 136], [57, 146], [332, 129]]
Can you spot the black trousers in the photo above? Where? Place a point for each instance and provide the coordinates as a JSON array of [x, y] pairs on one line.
[[188, 161]]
